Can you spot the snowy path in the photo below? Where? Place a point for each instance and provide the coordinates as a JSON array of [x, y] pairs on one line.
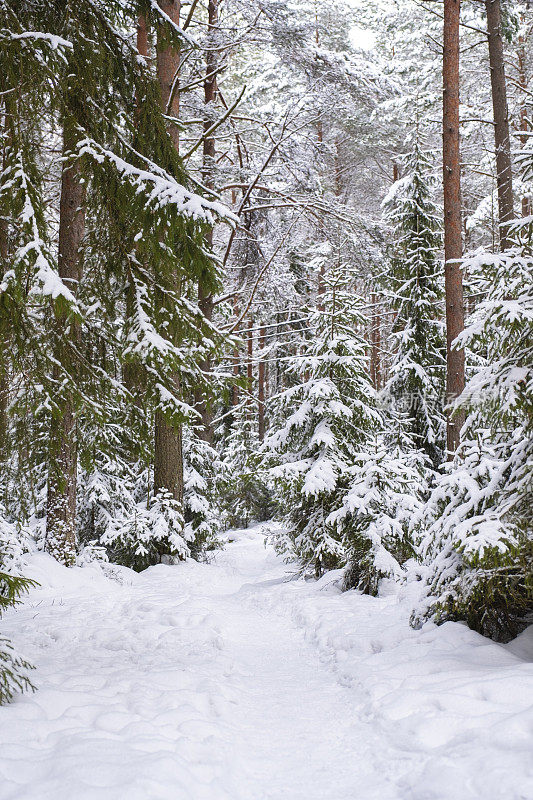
[[226, 682]]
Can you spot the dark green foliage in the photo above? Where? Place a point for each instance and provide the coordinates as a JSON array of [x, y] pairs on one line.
[[13, 669], [416, 384], [78, 76], [478, 543]]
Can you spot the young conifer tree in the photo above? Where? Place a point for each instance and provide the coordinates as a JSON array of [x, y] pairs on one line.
[[319, 425], [478, 541], [14, 540], [416, 386]]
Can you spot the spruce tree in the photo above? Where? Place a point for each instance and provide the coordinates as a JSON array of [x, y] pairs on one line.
[[319, 425], [14, 540], [416, 385], [478, 535], [144, 231]]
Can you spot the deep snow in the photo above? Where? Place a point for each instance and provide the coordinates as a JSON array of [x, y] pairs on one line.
[[228, 681]]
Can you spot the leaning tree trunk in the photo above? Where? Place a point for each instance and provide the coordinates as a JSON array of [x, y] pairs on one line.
[[61, 540], [502, 140], [455, 374], [168, 444]]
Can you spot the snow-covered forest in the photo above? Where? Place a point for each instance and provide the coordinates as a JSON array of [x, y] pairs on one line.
[[266, 399]]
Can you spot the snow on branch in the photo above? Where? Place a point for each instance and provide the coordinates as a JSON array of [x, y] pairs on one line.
[[162, 189], [46, 276], [175, 28], [37, 36]]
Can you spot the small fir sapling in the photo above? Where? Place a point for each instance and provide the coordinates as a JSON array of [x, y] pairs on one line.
[[14, 541]]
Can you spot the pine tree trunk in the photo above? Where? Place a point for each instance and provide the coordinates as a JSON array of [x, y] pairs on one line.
[[168, 444], [142, 36], [261, 387], [504, 177], [4, 252], [321, 288], [203, 404], [132, 372], [249, 366], [527, 201], [375, 345], [61, 539], [168, 461], [338, 170], [236, 370], [455, 374], [378, 349], [205, 298], [168, 61]]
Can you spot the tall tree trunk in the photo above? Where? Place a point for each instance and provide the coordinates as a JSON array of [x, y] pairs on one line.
[[321, 288], [375, 338], [132, 373], [455, 375], [205, 298], [527, 200], [338, 170], [504, 176], [236, 369], [142, 36], [261, 386], [61, 540], [168, 61], [249, 366], [4, 252], [320, 130], [168, 444]]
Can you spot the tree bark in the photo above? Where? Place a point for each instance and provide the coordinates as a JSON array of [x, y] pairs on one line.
[[132, 372], [142, 36], [249, 365], [168, 444], [502, 140], [261, 387], [235, 391], [236, 369], [168, 61], [455, 374], [375, 339], [202, 400], [61, 538], [4, 252], [205, 298], [527, 201]]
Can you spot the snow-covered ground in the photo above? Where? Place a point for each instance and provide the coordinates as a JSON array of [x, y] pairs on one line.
[[226, 681]]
